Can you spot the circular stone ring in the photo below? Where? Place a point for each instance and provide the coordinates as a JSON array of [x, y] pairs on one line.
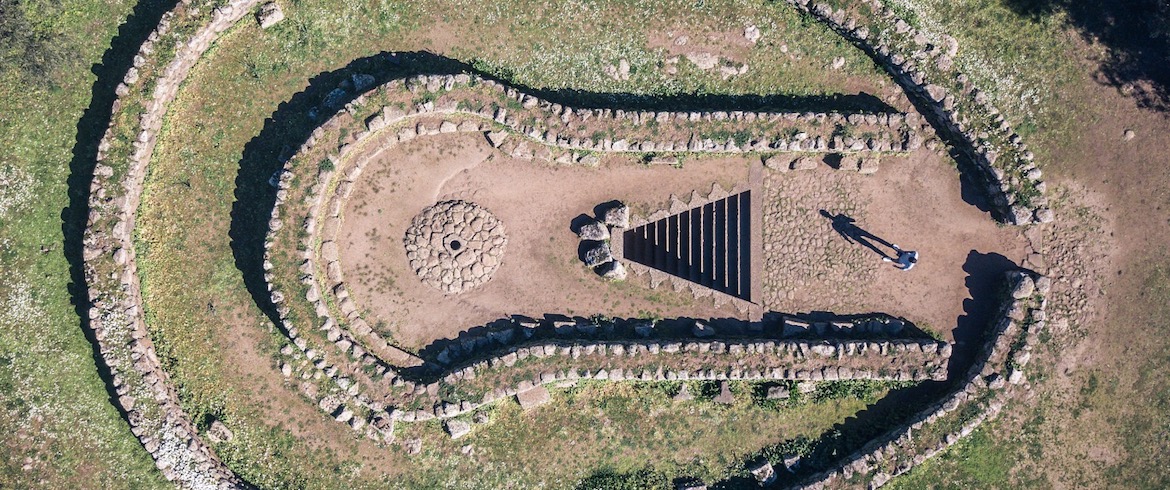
[[455, 246]]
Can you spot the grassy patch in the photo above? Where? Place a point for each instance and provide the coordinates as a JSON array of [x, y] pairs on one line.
[[978, 461], [60, 430], [1023, 64]]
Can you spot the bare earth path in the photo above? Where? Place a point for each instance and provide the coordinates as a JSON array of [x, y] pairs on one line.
[[913, 201]]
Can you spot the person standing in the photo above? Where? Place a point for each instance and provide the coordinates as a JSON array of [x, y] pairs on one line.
[[906, 259]]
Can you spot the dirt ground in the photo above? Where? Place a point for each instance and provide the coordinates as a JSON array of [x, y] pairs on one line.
[[1104, 411], [540, 271], [913, 201]]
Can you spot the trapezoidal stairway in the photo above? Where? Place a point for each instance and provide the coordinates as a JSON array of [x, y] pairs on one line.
[[709, 245]]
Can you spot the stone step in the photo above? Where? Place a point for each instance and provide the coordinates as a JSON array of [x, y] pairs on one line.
[[709, 245]]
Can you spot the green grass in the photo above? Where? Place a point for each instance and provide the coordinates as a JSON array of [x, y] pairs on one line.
[[1022, 64], [183, 233], [54, 409], [598, 435], [60, 430], [975, 462]]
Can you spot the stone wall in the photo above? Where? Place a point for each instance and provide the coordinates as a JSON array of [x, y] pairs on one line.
[[573, 128], [325, 288], [144, 390], [150, 402], [319, 213], [332, 186], [732, 359], [962, 112], [979, 395]]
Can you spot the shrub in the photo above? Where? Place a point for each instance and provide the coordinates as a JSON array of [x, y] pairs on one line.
[[33, 53]]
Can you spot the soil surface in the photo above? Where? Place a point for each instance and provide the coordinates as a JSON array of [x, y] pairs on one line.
[[914, 201]]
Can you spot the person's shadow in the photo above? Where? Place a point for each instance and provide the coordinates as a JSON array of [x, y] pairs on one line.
[[847, 227]]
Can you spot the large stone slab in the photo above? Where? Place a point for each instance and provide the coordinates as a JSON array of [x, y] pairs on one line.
[[457, 428], [724, 397], [533, 397]]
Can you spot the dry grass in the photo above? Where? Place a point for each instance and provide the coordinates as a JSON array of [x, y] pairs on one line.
[[64, 433], [183, 233]]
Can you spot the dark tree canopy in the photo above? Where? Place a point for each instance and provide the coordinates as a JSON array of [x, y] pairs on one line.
[[27, 48], [1136, 35]]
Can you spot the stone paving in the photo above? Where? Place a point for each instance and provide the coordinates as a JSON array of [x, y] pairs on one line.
[[455, 246], [804, 257]]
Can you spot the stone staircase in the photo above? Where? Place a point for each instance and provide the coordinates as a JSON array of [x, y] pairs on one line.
[[708, 244]]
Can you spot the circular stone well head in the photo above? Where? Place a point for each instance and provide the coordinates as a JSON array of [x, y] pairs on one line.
[[455, 246]]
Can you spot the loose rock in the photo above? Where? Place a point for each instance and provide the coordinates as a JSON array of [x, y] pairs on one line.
[[533, 398], [612, 270], [412, 446], [270, 14], [457, 428], [778, 393], [724, 397], [618, 216], [598, 255], [703, 60], [763, 472], [1024, 288], [751, 33], [496, 138], [594, 230], [219, 433]]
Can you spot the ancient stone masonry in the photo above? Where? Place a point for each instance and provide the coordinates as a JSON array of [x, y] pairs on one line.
[[578, 129], [455, 246], [448, 115], [381, 414], [795, 227], [978, 396], [116, 315], [551, 361], [364, 400], [363, 374], [926, 70], [750, 359], [337, 180], [707, 243], [595, 235]]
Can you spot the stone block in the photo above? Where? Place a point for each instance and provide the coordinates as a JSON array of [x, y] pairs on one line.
[[725, 397], [270, 14], [533, 397], [763, 472], [804, 163], [618, 216], [778, 393], [457, 428], [594, 230]]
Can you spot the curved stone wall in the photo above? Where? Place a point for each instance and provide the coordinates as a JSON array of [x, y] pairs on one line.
[[150, 402], [317, 277], [979, 395], [957, 109], [144, 389], [556, 128]]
